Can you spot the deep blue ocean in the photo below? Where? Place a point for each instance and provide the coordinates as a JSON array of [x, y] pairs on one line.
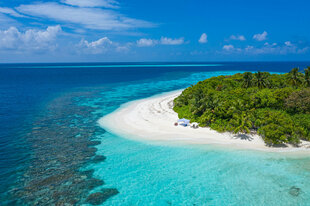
[[52, 150]]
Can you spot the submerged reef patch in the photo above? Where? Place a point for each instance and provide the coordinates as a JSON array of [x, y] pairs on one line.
[[99, 197], [63, 139]]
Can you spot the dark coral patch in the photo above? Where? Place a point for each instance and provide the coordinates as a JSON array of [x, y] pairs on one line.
[[100, 197]]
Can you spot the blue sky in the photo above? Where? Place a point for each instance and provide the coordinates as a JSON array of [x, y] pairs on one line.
[[154, 30]]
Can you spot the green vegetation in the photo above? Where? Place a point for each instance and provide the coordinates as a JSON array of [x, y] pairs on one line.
[[276, 106]]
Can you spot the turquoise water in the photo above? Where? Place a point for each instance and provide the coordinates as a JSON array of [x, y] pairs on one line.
[[152, 174], [53, 152], [161, 175]]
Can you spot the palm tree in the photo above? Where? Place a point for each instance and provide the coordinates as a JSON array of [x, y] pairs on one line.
[[247, 79], [242, 123], [198, 105], [261, 80], [307, 77], [295, 77], [236, 107]]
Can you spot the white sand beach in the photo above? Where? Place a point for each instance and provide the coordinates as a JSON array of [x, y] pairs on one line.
[[153, 119]]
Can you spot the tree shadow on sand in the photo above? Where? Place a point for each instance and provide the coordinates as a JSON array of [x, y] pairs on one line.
[[246, 137], [277, 145]]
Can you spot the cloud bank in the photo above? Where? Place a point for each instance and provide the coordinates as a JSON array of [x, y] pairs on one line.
[[31, 39], [273, 49]]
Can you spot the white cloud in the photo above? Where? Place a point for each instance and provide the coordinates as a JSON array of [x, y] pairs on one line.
[[288, 43], [99, 43], [163, 41], [272, 49], [260, 37], [237, 37], [92, 3], [170, 41], [278, 49], [102, 45], [31, 39], [10, 12], [91, 18], [228, 47], [146, 42], [203, 38], [267, 44], [249, 48], [123, 48]]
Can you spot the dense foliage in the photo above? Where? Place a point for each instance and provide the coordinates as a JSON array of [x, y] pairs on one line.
[[276, 106]]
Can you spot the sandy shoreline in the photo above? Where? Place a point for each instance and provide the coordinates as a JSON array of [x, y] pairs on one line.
[[153, 119]]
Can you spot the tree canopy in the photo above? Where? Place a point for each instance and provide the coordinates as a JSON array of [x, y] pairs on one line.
[[276, 106]]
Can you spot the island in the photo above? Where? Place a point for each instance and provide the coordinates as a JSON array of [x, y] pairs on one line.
[[250, 111], [274, 106]]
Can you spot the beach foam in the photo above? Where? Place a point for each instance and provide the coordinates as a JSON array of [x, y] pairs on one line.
[[153, 119]]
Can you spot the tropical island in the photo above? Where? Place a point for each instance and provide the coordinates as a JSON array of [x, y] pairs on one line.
[[257, 111], [274, 106]]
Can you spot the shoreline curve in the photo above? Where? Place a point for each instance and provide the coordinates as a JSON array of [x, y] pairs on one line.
[[152, 119]]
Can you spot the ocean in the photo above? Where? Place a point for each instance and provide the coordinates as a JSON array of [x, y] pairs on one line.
[[53, 151]]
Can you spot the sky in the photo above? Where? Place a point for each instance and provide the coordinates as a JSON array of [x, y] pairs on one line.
[[154, 30]]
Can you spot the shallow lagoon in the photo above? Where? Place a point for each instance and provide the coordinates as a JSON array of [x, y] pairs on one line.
[[159, 174], [148, 174]]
